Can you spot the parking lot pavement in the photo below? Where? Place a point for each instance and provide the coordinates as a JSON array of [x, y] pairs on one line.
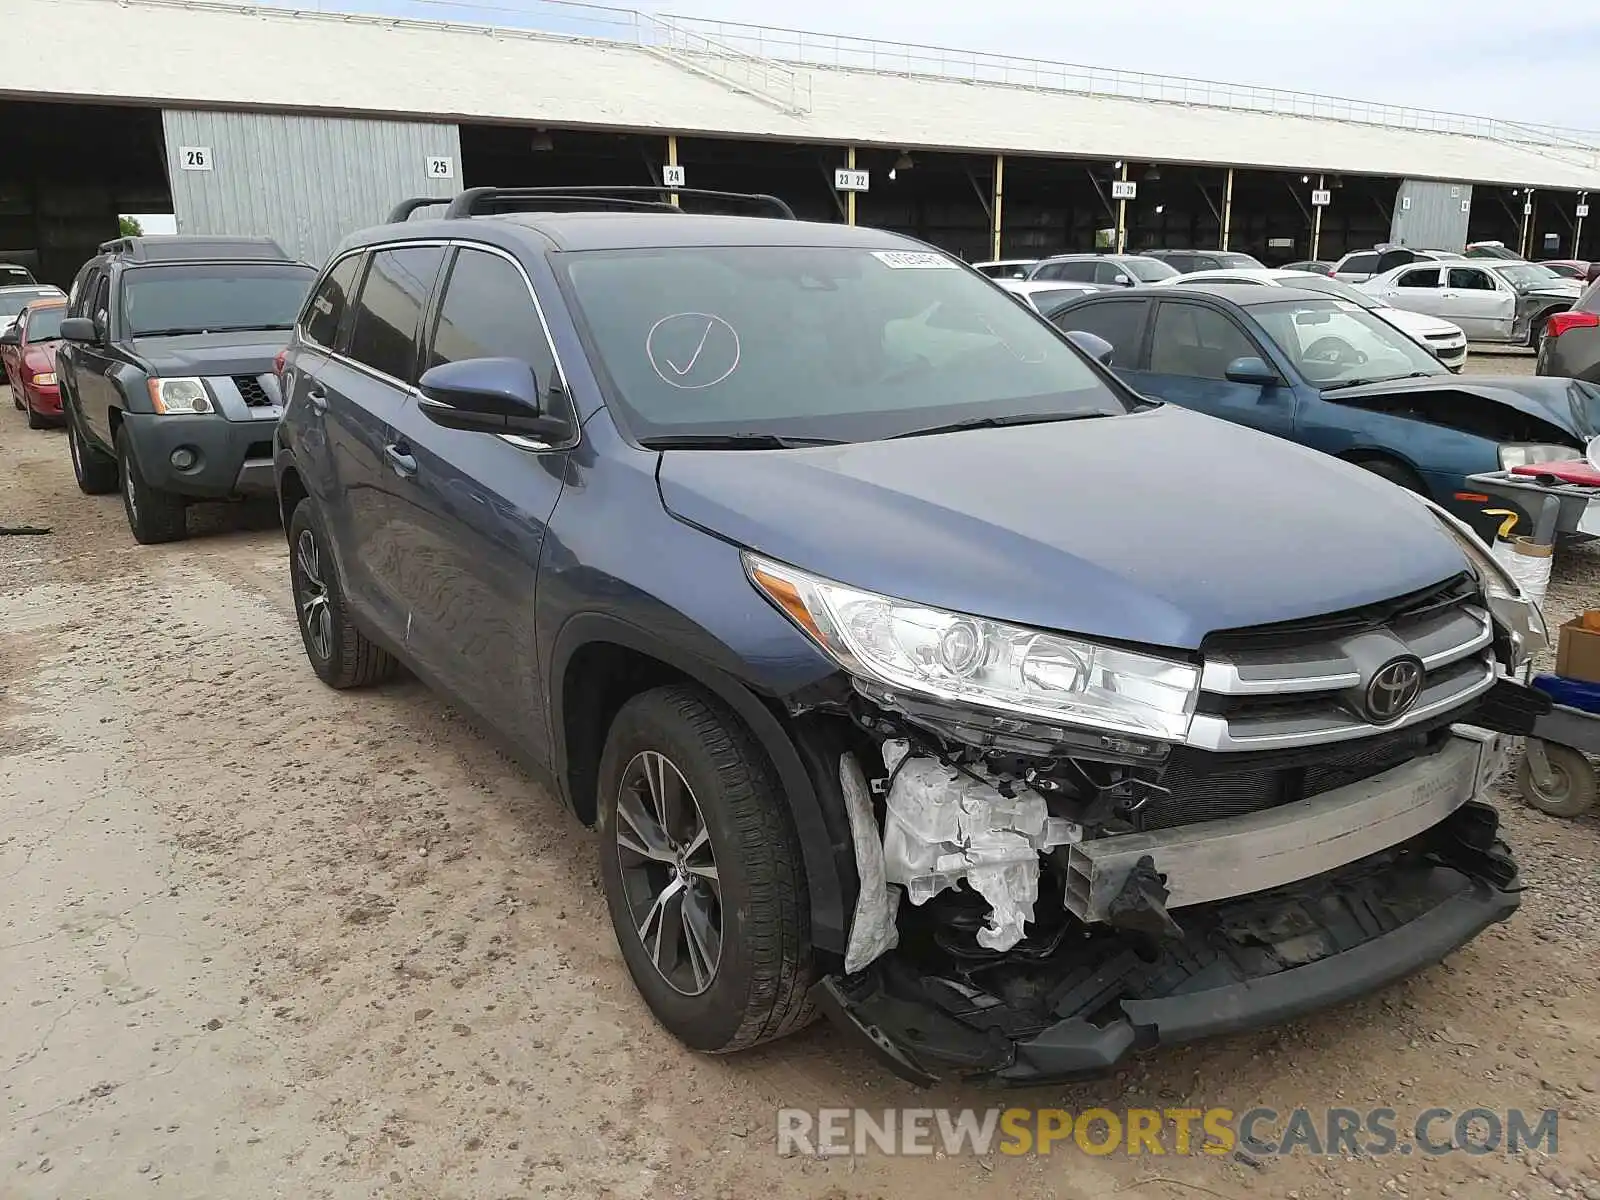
[[1498, 360], [260, 939]]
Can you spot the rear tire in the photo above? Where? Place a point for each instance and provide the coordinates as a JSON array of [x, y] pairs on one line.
[[96, 472], [154, 516], [727, 839], [1396, 473], [340, 654]]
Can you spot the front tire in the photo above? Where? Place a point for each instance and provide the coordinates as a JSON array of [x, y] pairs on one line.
[[35, 421], [340, 654], [702, 873], [154, 516], [96, 473]]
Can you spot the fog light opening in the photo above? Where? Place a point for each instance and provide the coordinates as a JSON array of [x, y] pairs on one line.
[[183, 458]]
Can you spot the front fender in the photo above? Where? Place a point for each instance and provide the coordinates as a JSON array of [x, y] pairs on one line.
[[825, 846]]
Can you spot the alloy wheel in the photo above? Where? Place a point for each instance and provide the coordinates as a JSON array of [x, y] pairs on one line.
[[313, 595], [669, 873]]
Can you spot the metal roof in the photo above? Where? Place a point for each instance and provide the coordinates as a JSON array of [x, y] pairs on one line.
[[638, 231], [668, 76]]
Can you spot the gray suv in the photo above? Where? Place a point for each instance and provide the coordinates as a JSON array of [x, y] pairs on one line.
[[166, 371], [876, 628]]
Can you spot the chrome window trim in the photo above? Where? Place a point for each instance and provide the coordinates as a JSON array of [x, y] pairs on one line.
[[511, 439]]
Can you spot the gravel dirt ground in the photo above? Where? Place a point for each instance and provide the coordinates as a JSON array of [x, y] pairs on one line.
[[261, 939]]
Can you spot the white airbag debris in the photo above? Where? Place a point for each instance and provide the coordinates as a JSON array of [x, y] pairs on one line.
[[872, 930], [942, 826]]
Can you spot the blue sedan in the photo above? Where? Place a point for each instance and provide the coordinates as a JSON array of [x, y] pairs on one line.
[[1325, 373]]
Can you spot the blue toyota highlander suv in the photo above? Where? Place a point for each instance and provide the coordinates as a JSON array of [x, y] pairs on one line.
[[910, 667]]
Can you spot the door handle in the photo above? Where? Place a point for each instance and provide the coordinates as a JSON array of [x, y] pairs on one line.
[[318, 399], [400, 459]]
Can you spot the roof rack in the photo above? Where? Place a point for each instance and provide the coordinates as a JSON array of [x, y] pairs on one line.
[[480, 201], [189, 248]]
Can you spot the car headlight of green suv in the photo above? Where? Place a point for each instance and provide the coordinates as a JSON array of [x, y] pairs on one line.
[[180, 394]]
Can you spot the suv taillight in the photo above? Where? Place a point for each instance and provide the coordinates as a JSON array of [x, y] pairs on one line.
[[277, 363], [1563, 321]]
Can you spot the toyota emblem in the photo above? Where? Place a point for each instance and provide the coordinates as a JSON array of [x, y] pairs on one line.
[[1393, 690]]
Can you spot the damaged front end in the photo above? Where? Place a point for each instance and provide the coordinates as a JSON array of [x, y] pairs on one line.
[[1071, 852]]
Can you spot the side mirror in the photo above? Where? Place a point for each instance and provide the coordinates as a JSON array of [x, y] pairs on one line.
[[1251, 370], [487, 395], [11, 337], [1122, 281], [1095, 346], [79, 329]]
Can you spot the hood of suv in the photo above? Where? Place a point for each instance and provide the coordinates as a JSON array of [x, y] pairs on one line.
[[1155, 528], [249, 352]]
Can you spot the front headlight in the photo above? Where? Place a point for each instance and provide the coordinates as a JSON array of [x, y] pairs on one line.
[[989, 664], [1506, 602], [44, 379], [181, 394], [1523, 454]]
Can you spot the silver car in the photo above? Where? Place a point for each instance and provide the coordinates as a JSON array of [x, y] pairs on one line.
[[1493, 300]]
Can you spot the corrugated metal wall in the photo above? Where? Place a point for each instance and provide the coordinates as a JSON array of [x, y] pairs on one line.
[[1431, 215], [307, 181]]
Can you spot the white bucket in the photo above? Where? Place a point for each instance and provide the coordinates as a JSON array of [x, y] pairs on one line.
[[1528, 562]]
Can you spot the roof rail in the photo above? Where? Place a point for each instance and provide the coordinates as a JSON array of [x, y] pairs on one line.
[[169, 247], [402, 211], [601, 198]]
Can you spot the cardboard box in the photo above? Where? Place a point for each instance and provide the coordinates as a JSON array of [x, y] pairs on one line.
[[1578, 652]]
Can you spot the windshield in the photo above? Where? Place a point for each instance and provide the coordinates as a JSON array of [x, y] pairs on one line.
[[213, 297], [10, 274], [820, 342], [1527, 276], [1148, 270], [1236, 261], [1333, 341], [13, 301], [1334, 287], [45, 323]]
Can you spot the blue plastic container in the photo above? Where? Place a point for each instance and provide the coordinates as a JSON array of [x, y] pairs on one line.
[[1574, 693]]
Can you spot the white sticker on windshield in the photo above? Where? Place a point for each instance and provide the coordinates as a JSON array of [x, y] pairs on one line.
[[913, 260]]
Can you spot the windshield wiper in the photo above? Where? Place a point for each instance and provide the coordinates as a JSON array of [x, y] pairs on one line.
[[732, 441], [1345, 383], [180, 331], [998, 422]]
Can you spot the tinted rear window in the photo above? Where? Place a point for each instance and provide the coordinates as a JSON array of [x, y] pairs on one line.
[[1359, 262], [384, 335], [1118, 321]]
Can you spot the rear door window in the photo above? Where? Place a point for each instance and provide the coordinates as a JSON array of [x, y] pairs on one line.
[[1120, 322], [325, 310], [384, 336]]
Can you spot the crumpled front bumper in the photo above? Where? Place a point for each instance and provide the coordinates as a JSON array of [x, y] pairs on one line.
[[1244, 963]]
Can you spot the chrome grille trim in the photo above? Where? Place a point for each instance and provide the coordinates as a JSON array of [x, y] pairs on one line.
[[1333, 724]]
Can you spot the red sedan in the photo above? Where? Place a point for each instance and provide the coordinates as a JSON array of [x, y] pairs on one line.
[[28, 350]]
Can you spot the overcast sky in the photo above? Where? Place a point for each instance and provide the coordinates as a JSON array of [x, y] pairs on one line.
[[1530, 61]]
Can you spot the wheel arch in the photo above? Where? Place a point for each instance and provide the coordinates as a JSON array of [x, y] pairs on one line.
[[600, 661]]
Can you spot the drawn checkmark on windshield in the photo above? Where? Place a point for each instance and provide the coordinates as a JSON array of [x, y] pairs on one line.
[[695, 357]]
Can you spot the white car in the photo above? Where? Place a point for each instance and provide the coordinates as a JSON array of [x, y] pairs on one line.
[[14, 299], [1006, 268], [1045, 297], [1494, 300], [1361, 265], [1446, 341]]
